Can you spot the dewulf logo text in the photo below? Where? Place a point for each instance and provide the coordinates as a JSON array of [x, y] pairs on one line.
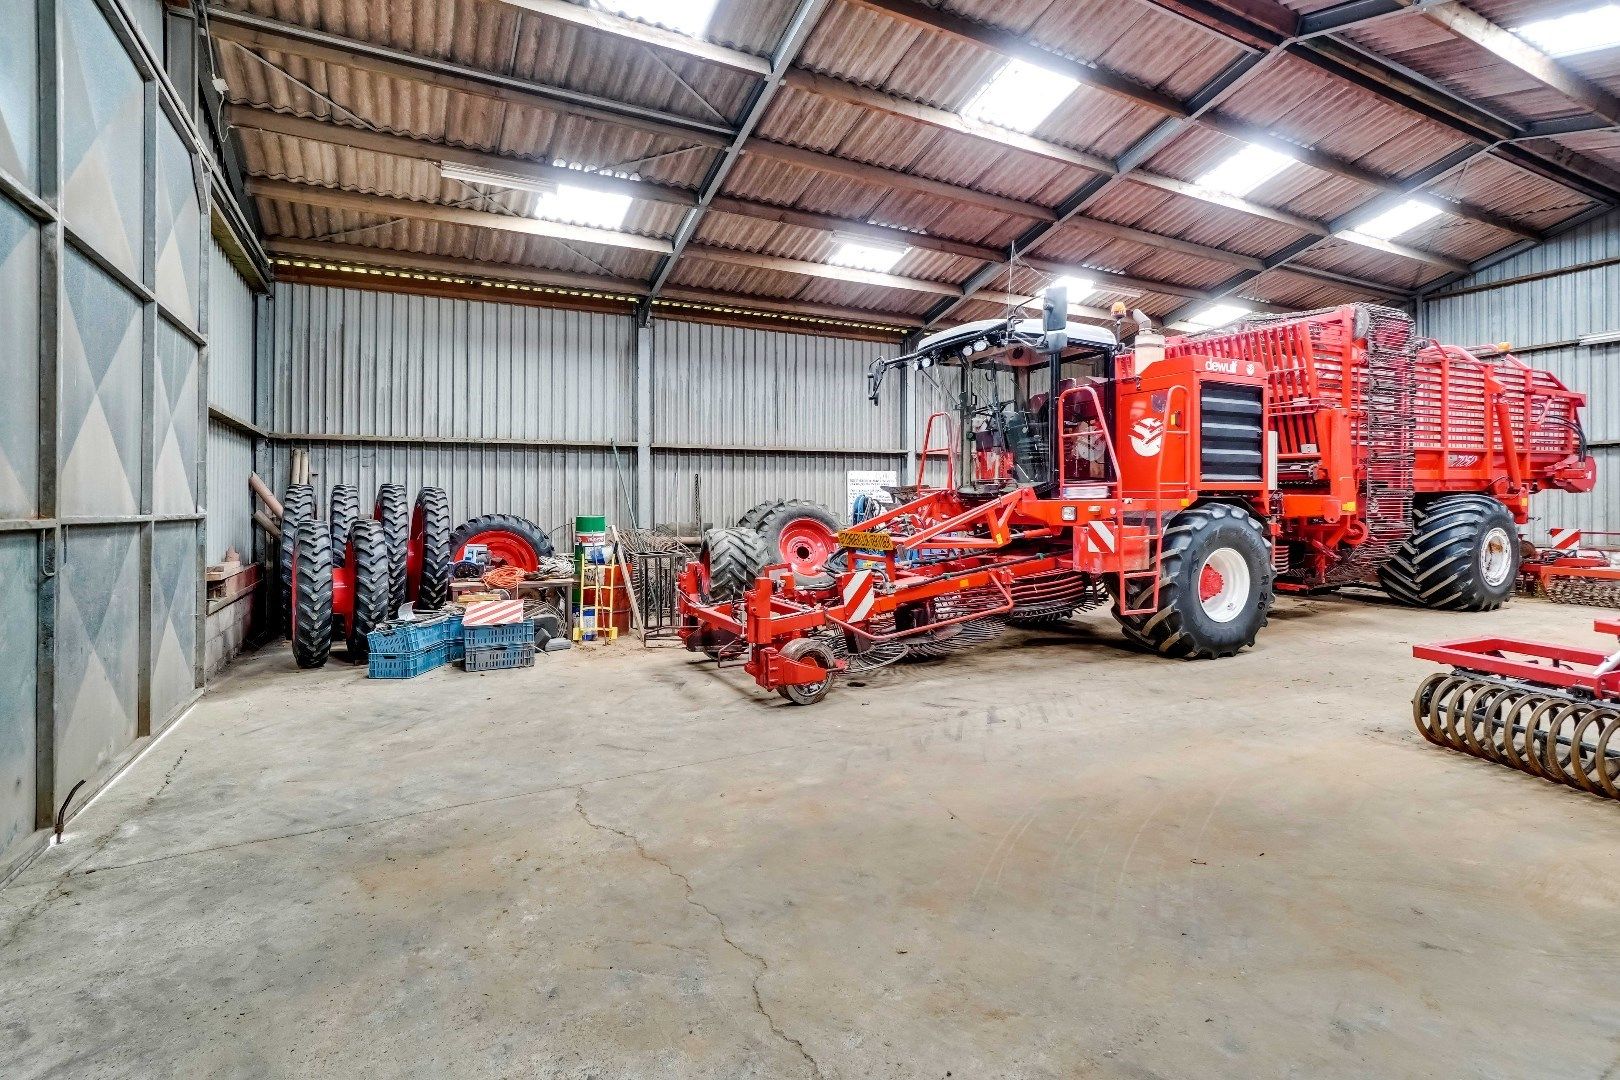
[[1221, 367]]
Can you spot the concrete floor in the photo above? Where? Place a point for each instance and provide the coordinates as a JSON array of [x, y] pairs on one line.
[[1060, 860]]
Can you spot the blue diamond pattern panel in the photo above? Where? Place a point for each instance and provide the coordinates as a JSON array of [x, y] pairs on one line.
[[97, 649], [19, 580], [174, 618], [19, 91], [100, 378], [174, 424], [103, 101], [179, 228], [19, 330]]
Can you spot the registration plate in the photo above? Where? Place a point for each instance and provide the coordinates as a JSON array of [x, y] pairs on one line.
[[865, 541]]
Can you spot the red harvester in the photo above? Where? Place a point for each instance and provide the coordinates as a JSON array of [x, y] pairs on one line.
[[1185, 479]]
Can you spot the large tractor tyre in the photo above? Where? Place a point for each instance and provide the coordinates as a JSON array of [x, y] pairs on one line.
[[732, 560], [393, 512], [297, 507], [513, 540], [312, 595], [430, 550], [752, 519], [345, 512], [1215, 586], [1463, 555], [372, 585], [802, 534]]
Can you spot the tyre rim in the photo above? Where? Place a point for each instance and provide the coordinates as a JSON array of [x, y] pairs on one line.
[[1496, 557], [1223, 585], [510, 548], [806, 545]]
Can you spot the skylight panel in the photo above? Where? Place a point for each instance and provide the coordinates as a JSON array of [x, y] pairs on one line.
[[858, 255], [1079, 289], [1020, 96], [1392, 223], [583, 206], [1578, 32], [1245, 170], [689, 17], [1216, 315]]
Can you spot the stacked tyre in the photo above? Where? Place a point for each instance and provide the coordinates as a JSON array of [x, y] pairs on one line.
[[800, 533], [344, 576]]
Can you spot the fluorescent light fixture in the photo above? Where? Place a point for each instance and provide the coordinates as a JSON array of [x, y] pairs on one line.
[[689, 17], [473, 174], [1245, 170], [1392, 223], [1020, 96], [860, 255], [1216, 315], [1079, 288], [1607, 337], [583, 206], [1578, 32]]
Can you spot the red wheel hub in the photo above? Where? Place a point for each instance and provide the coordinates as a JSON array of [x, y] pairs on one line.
[[1210, 583], [806, 544], [506, 547]]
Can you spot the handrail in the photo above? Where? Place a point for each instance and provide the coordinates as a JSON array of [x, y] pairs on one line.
[[928, 448], [1063, 438]]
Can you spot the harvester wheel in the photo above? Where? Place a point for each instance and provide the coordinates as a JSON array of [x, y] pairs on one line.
[[370, 562], [394, 512], [312, 595], [1215, 584], [802, 534], [429, 554], [515, 541], [297, 507], [1463, 555], [812, 651], [345, 512], [731, 560]]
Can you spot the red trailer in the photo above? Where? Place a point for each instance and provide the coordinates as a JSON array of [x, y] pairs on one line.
[[1184, 479]]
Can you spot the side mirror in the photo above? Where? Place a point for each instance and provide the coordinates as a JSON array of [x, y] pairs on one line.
[[874, 379], [1055, 318]]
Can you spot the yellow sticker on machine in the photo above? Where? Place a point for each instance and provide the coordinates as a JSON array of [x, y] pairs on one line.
[[865, 541]]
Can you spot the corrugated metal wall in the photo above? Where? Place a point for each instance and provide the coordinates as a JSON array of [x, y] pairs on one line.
[[517, 409], [1558, 307], [231, 345]]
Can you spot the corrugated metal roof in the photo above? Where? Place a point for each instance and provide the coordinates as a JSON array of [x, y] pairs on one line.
[[930, 66]]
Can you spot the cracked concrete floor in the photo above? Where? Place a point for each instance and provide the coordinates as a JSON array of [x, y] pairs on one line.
[[1059, 860]]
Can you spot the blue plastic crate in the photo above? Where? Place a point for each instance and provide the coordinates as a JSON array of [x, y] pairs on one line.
[[412, 637], [483, 637], [499, 657], [394, 665]]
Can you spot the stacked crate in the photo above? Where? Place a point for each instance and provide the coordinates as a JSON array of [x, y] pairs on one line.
[[499, 648], [406, 650]]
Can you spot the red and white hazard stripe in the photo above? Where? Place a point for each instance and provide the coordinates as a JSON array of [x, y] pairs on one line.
[[493, 613], [860, 591], [1565, 539], [1100, 538]]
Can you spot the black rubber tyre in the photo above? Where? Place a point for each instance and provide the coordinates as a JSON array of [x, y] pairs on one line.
[[372, 568], [804, 534], [393, 511], [430, 537], [518, 541], [297, 507], [312, 595], [1463, 555], [1184, 627], [808, 649], [1040, 622], [345, 512], [733, 559], [752, 519]]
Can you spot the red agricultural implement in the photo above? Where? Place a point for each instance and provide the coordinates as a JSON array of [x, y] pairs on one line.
[[1549, 710], [1184, 479], [344, 576]]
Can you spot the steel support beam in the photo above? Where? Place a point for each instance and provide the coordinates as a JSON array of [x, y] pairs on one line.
[[792, 40], [644, 425]]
